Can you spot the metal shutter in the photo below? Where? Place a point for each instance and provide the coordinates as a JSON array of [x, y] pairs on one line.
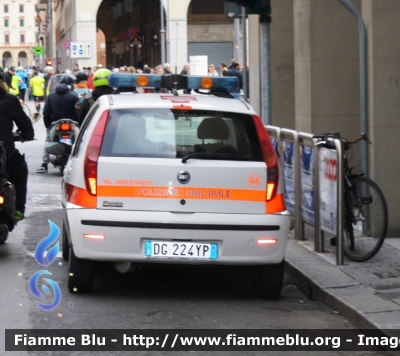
[[217, 52]]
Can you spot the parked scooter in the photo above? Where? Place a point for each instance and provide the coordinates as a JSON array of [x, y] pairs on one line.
[[65, 131]]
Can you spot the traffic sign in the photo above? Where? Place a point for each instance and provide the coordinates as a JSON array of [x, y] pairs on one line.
[[38, 50], [80, 50], [67, 44]]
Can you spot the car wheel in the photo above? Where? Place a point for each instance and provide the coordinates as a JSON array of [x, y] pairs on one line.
[[65, 244], [3, 233], [269, 280], [80, 274]]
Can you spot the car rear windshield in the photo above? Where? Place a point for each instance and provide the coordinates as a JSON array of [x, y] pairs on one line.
[[166, 133]]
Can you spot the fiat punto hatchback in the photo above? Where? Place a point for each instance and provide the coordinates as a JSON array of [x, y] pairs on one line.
[[174, 179]]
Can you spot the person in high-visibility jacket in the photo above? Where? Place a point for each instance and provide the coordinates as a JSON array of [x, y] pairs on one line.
[[16, 82]]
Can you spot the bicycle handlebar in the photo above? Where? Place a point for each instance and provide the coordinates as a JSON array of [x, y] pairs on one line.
[[347, 143]]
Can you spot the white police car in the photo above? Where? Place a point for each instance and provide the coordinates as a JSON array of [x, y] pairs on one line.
[[168, 178]]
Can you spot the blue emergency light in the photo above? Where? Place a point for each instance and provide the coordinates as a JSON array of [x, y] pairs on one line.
[[213, 83], [119, 80]]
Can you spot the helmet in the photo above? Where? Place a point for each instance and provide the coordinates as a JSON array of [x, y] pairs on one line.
[[68, 79], [100, 78], [20, 69], [81, 77]]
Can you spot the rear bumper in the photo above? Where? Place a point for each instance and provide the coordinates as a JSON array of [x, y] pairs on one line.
[[127, 231]]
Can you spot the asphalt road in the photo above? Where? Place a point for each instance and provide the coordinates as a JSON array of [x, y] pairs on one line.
[[153, 297]]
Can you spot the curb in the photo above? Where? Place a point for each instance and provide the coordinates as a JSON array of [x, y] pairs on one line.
[[319, 280]]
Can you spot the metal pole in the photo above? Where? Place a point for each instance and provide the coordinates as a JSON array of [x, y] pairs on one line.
[[244, 39], [162, 33], [340, 203], [318, 237], [363, 82], [168, 35], [236, 23], [265, 50]]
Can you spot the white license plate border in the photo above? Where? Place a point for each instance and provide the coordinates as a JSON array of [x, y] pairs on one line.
[[214, 249], [69, 141]]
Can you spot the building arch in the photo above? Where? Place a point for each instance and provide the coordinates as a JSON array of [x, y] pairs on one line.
[[22, 59], [7, 59]]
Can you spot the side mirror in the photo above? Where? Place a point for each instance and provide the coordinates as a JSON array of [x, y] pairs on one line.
[[58, 148]]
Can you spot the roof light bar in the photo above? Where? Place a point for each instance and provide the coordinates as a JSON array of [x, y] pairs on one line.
[[125, 80], [213, 83], [120, 80]]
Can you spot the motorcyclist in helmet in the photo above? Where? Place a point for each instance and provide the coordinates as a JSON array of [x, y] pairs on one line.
[[11, 112], [100, 83], [60, 104], [82, 88]]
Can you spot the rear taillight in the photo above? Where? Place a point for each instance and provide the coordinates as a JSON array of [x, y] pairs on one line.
[[269, 157], [93, 153], [65, 126]]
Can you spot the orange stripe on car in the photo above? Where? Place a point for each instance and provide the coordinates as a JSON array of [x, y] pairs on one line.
[[80, 196], [182, 193], [276, 205]]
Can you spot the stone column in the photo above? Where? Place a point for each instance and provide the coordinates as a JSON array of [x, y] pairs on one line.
[[383, 25], [177, 51], [327, 93], [282, 63], [254, 62]]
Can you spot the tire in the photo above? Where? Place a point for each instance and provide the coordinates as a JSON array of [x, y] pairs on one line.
[[65, 244], [365, 232], [26, 110], [3, 233], [269, 280], [80, 274], [61, 168]]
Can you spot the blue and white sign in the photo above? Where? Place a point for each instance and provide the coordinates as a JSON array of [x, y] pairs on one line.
[[81, 50], [275, 143], [307, 185], [288, 174]]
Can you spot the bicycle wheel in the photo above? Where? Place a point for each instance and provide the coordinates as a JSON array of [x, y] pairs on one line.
[[26, 109], [365, 231]]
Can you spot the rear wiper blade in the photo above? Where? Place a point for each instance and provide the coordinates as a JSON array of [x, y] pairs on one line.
[[214, 155]]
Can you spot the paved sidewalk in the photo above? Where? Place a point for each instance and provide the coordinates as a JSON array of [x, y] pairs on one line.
[[367, 293]]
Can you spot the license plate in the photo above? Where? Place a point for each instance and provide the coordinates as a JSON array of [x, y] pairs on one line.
[[187, 250], [68, 141]]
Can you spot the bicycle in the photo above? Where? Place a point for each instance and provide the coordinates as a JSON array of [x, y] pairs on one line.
[[35, 117], [25, 107], [365, 209]]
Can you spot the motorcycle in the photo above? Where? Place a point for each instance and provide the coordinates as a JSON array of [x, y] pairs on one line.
[[7, 195], [62, 131]]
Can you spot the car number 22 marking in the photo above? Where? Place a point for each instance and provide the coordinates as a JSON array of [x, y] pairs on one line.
[[169, 249]]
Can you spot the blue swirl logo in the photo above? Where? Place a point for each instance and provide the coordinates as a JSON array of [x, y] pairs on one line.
[[45, 256]]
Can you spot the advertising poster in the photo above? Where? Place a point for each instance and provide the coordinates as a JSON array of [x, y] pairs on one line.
[[198, 65], [328, 168], [307, 185], [288, 173], [275, 143]]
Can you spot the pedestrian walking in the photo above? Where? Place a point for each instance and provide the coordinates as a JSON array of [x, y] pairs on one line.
[[186, 69], [36, 85], [235, 72], [211, 71], [24, 85], [224, 70]]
